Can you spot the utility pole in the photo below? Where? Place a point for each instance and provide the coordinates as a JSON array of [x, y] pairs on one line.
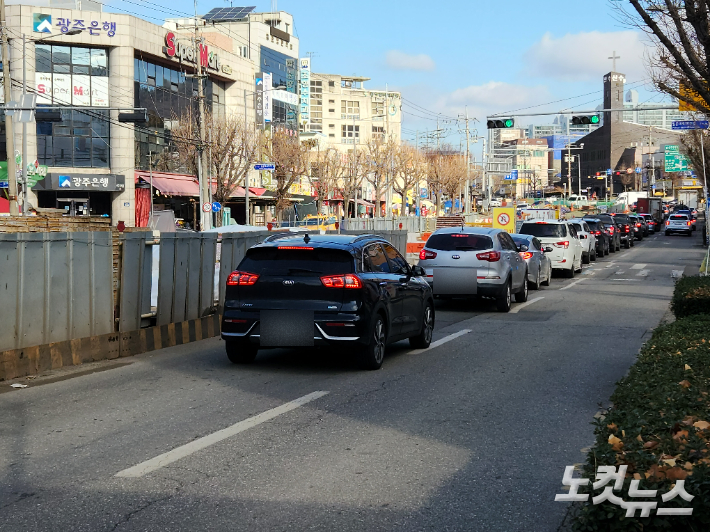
[[9, 129], [569, 157], [150, 168], [388, 193], [246, 174], [467, 201], [202, 163]]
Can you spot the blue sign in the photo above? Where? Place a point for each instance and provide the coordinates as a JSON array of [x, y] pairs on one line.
[[639, 170], [265, 166], [608, 171], [508, 177], [64, 181], [4, 184], [514, 174], [690, 124], [216, 207], [41, 23]]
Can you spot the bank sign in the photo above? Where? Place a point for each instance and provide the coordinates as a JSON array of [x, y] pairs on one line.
[[305, 69], [190, 54]]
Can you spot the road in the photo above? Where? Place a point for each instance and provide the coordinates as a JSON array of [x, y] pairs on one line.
[[473, 434]]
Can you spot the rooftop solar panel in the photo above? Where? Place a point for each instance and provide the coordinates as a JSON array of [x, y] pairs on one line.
[[227, 14]]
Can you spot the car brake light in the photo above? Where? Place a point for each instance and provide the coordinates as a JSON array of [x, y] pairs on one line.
[[341, 281], [562, 244], [668, 222], [689, 222], [526, 255], [611, 230], [459, 236], [425, 254], [638, 224], [597, 232], [490, 256], [295, 247], [238, 278]]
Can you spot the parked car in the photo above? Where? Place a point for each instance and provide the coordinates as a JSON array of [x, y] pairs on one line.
[[679, 223], [650, 222], [640, 224], [628, 231], [539, 263], [612, 227], [586, 238], [475, 261], [325, 290], [560, 241], [689, 214], [601, 236]]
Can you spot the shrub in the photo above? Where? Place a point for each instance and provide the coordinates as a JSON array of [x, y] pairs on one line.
[[691, 296], [659, 426]]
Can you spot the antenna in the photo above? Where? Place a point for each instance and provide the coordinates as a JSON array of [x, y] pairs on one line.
[[274, 6]]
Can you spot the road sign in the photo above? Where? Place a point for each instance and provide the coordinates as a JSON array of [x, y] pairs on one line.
[[216, 207], [608, 171], [639, 170], [265, 166], [508, 177], [206, 207], [514, 173], [4, 184], [504, 218], [692, 95], [690, 124], [674, 160]]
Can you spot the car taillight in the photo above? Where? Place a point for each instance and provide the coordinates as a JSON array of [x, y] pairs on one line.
[[689, 222], [296, 247], [490, 256], [638, 224], [611, 230], [562, 244], [626, 228], [526, 255], [668, 222], [242, 279], [341, 281], [426, 254], [597, 232]]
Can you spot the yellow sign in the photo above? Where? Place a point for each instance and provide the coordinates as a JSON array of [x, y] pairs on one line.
[[691, 94], [504, 218]]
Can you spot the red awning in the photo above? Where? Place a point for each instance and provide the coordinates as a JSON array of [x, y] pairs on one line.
[[4, 205], [186, 185]]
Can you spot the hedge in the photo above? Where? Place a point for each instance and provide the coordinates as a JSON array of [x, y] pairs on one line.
[[691, 296], [659, 426]]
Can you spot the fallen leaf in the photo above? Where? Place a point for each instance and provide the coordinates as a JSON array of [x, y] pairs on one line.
[[680, 435], [684, 384], [670, 462], [701, 425], [688, 420], [688, 466], [612, 426], [687, 367], [650, 445], [623, 433], [637, 476], [616, 443], [639, 438], [676, 473], [655, 471]]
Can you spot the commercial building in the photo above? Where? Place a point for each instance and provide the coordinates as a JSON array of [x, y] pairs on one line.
[[530, 158], [344, 113], [656, 116]]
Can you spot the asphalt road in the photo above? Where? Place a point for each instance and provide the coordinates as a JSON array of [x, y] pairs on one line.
[[473, 434]]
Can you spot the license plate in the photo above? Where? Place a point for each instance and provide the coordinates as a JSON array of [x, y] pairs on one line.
[[286, 328]]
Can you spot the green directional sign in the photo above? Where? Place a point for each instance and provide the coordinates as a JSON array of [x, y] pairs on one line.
[[674, 160]]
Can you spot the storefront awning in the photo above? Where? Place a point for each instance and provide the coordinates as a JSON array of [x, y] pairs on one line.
[[186, 185]]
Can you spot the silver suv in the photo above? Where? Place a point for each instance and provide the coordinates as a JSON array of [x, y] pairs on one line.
[[475, 261]]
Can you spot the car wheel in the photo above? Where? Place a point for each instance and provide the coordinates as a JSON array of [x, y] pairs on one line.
[[594, 256], [423, 339], [570, 273], [374, 352], [586, 258], [668, 233], [628, 244], [522, 296], [633, 243], [241, 352], [546, 282], [536, 284], [503, 300]]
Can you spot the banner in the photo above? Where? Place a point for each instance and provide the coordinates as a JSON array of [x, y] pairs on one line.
[[99, 91], [43, 87], [81, 90], [305, 69], [61, 89], [268, 105]]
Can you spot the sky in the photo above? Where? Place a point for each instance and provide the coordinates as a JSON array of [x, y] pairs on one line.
[[453, 56]]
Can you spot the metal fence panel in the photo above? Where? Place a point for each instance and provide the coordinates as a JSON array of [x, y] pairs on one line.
[[54, 287], [167, 287], [208, 261], [136, 278], [193, 277]]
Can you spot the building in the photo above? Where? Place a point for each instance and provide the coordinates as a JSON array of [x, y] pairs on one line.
[[94, 161], [657, 116], [530, 158], [616, 145], [344, 113]]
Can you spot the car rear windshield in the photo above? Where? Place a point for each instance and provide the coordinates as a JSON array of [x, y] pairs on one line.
[[679, 217], [622, 218], [544, 230], [459, 242], [592, 225], [578, 227], [318, 261]]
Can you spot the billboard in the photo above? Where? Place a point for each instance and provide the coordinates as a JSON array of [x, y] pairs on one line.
[[268, 106], [305, 84]]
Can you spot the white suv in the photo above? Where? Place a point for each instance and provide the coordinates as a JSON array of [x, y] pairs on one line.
[[586, 238], [560, 241]]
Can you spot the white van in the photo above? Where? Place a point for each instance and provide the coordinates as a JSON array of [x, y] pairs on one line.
[[576, 199]]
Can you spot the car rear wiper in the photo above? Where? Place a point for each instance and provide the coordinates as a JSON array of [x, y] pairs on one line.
[[465, 248], [302, 270]]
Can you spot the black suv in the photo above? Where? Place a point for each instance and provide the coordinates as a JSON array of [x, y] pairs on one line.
[[613, 229], [628, 230], [601, 233], [326, 290]]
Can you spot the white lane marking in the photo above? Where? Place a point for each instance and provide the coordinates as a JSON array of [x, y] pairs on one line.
[[610, 265], [620, 272], [643, 273], [625, 279], [638, 266], [571, 284], [588, 272], [441, 341], [201, 443], [523, 305]]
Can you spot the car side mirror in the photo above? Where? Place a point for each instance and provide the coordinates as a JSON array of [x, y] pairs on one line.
[[548, 249], [522, 247], [418, 271]]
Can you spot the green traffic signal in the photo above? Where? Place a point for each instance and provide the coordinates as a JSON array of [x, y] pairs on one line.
[[585, 119], [509, 122], [594, 119], [497, 123]]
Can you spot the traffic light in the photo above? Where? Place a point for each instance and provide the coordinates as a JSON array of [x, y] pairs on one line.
[[585, 119], [499, 123]]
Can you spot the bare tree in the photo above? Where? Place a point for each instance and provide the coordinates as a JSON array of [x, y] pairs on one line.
[[408, 171], [355, 169], [327, 169], [447, 172], [292, 160], [379, 172]]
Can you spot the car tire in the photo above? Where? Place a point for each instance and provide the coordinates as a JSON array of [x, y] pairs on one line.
[[586, 258], [241, 352], [546, 282], [503, 299], [522, 296], [373, 353], [536, 284], [628, 244], [668, 233], [594, 257], [570, 273], [423, 339]]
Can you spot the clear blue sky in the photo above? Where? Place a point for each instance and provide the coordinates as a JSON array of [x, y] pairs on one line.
[[487, 56]]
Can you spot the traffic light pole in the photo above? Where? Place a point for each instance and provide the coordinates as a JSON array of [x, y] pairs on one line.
[[9, 129]]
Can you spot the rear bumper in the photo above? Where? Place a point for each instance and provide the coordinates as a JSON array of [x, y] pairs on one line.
[[679, 229]]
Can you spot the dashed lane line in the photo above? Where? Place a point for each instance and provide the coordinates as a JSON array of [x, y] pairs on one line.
[[643, 273], [442, 341], [571, 284], [638, 266], [518, 308], [189, 448]]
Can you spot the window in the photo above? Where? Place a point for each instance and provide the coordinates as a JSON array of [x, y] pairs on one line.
[[506, 242], [350, 134], [331, 134], [378, 108], [80, 140], [378, 132], [331, 101], [375, 260], [331, 110], [331, 84], [397, 263], [460, 242], [543, 230], [349, 109], [331, 125]]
